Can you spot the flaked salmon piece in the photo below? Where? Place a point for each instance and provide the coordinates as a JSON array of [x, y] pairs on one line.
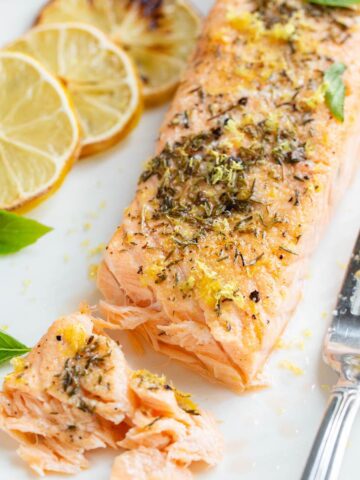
[[74, 393], [209, 260], [147, 464]]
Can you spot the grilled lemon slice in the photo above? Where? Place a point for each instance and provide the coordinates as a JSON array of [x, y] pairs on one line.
[[99, 78], [159, 35], [39, 133]]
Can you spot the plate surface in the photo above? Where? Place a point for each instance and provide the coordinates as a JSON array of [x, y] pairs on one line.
[[268, 433]]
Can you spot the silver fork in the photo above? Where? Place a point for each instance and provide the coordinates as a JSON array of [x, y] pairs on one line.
[[342, 353]]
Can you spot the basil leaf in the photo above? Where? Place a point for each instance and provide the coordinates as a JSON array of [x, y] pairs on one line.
[[17, 232], [335, 90], [10, 348], [336, 3]]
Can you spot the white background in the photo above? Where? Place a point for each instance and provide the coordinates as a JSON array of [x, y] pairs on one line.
[[268, 433]]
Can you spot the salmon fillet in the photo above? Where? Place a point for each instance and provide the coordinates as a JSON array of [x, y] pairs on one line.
[[74, 393], [208, 262]]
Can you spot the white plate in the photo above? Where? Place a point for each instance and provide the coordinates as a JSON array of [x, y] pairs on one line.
[[268, 433]]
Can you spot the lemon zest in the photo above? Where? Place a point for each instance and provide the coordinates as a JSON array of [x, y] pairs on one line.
[[291, 367]]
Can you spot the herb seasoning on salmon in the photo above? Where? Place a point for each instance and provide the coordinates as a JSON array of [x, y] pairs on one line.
[[74, 393], [259, 143]]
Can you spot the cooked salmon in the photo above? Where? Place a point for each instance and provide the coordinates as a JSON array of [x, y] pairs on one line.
[[150, 465], [208, 262], [74, 393]]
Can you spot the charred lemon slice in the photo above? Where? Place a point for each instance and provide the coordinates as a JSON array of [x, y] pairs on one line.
[[158, 34], [39, 133], [99, 78]]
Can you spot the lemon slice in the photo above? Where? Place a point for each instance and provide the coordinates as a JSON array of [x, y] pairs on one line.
[[159, 34], [39, 133], [98, 75]]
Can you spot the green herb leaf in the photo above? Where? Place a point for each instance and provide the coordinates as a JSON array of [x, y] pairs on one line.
[[10, 348], [335, 90], [336, 3], [17, 232]]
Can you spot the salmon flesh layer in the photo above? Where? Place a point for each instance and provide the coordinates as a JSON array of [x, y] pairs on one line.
[[208, 262], [74, 393]]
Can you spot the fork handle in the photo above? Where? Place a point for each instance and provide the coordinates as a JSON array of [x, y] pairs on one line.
[[327, 452]]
